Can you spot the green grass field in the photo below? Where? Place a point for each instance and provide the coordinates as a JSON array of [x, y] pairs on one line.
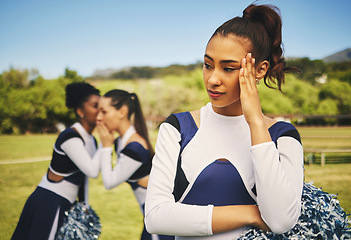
[[118, 209]]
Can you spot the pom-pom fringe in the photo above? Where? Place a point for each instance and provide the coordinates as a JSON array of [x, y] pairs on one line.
[[81, 222], [321, 218]]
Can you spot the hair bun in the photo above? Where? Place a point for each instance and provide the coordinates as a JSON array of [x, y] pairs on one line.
[[77, 92], [268, 15]]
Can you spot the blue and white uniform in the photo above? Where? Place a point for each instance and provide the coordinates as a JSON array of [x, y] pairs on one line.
[[133, 164], [73, 158], [195, 169]]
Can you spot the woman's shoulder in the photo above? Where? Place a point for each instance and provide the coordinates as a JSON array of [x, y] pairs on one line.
[[188, 118], [136, 138], [269, 121], [68, 134], [196, 116], [278, 129]]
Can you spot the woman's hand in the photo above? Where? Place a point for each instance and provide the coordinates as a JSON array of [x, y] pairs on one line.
[[250, 101], [227, 218], [106, 136]]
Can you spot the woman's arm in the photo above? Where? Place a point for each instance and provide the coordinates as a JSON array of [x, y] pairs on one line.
[[162, 214], [76, 151], [279, 181], [165, 216], [278, 170], [121, 172], [226, 218]]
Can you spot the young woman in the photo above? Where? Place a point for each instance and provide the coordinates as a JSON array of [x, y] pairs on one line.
[[72, 162], [133, 148], [226, 166]]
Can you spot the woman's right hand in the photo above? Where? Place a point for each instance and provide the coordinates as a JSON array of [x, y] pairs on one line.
[[106, 136]]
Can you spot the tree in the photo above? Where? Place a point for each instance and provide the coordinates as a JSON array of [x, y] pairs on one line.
[[311, 69], [338, 91], [15, 78], [72, 75]]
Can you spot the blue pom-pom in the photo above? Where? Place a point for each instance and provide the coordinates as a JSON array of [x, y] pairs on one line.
[[81, 222], [321, 218]]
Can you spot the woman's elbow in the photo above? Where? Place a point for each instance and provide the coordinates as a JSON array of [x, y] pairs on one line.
[[110, 182], [150, 227], [284, 223], [93, 174], [153, 223], [107, 185]]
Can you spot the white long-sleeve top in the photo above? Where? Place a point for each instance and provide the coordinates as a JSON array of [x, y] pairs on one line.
[[133, 164], [82, 155], [269, 175]]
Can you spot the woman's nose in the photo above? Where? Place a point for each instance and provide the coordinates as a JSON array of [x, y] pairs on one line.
[[214, 79], [98, 116]]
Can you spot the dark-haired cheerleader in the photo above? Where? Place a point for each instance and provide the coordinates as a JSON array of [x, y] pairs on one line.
[[73, 160]]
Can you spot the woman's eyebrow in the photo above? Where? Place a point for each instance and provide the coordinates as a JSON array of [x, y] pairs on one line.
[[222, 61], [206, 56], [229, 61]]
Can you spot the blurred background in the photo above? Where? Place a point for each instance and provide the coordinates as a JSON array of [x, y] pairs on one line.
[[155, 49]]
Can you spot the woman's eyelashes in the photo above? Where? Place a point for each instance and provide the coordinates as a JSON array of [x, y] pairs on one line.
[[230, 69], [207, 66], [225, 69]]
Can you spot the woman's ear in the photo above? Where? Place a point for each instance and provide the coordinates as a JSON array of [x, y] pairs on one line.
[[123, 112], [80, 112], [262, 69]]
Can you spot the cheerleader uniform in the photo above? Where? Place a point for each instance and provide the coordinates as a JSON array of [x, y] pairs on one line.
[[73, 159], [133, 164], [195, 169]]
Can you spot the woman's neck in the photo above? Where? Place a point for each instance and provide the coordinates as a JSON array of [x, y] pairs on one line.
[[124, 127], [233, 109], [89, 128]]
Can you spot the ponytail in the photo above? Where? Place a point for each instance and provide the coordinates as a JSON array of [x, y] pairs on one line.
[[262, 25], [139, 120], [120, 98]]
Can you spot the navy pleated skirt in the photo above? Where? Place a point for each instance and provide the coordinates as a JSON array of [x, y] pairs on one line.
[[38, 215]]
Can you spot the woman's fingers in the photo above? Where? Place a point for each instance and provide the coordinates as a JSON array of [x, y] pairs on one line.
[[106, 136], [250, 102], [250, 69], [247, 72]]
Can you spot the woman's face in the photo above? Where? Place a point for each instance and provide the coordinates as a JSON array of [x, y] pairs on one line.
[[108, 114], [90, 109], [222, 63]]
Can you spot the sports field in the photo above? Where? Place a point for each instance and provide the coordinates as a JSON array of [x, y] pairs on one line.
[[119, 212]]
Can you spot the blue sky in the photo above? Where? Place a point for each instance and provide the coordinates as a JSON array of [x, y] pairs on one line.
[[89, 35]]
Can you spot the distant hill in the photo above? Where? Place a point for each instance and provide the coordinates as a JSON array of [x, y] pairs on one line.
[[104, 72], [341, 56]]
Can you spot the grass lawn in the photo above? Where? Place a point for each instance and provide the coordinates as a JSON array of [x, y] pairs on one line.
[[118, 209]]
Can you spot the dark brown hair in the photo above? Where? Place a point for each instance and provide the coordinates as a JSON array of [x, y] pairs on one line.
[[120, 98], [261, 24]]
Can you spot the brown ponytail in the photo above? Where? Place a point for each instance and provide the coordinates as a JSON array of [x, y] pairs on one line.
[[262, 25], [121, 98]]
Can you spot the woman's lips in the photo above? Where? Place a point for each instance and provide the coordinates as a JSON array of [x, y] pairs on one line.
[[215, 94]]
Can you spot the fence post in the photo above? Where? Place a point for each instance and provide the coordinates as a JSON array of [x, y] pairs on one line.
[[322, 158], [310, 158]]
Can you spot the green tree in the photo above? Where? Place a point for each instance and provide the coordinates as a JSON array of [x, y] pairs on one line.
[[72, 75], [310, 69], [303, 95], [338, 91], [343, 76], [35, 107], [15, 78]]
